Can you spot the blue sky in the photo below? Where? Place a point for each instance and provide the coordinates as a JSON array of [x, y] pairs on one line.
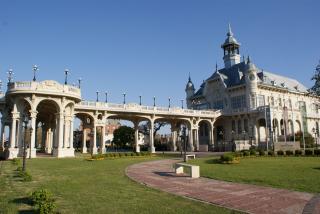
[[148, 47]]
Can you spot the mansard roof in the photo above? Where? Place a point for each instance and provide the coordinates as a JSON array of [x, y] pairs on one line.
[[234, 76]]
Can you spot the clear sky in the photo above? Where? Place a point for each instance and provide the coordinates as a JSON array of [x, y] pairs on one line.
[[148, 47]]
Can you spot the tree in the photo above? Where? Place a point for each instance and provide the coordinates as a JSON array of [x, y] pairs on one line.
[[316, 77], [123, 137], [157, 126]]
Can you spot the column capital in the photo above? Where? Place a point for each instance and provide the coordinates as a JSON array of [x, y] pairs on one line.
[[33, 114], [15, 115]]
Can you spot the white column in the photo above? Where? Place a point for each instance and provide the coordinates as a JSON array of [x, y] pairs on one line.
[[174, 139], [103, 138], [71, 134], [136, 136], [66, 132], [196, 138], [151, 149], [13, 131], [211, 137], [2, 136], [60, 137], [33, 134], [190, 138], [94, 143], [84, 140]]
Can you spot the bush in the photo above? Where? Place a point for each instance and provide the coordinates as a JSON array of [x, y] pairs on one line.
[[24, 175], [270, 153], [253, 152], [261, 152], [289, 152], [15, 161], [308, 152], [132, 154], [238, 154], [298, 152], [246, 153], [280, 153], [43, 201], [227, 158], [317, 152]]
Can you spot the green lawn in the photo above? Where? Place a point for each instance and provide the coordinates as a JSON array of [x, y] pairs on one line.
[[81, 186], [296, 173]]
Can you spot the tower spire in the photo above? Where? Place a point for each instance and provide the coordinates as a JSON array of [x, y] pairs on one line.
[[229, 30], [189, 77]]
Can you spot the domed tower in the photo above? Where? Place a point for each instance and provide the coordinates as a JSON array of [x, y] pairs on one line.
[[189, 92], [231, 54], [251, 80]]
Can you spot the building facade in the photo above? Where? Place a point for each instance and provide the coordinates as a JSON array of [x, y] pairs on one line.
[[258, 107]]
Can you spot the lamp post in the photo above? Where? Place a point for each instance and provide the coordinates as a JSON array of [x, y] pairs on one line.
[[25, 124], [10, 74], [35, 69], [139, 99], [232, 141], [79, 82], [154, 101], [182, 104], [124, 98], [169, 102], [244, 138], [66, 72], [221, 136], [184, 137], [97, 93], [31, 130], [315, 136], [106, 93]]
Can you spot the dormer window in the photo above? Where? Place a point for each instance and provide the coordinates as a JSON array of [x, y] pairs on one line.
[[282, 84], [296, 87], [273, 82]]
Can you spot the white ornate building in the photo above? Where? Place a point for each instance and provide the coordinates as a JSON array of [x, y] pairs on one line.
[[252, 99]]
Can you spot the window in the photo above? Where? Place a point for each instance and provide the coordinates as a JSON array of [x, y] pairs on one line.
[[260, 100], [280, 102], [218, 104], [233, 126], [246, 125], [238, 102], [272, 101], [239, 127]]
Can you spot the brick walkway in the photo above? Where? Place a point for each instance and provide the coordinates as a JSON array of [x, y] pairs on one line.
[[243, 197]]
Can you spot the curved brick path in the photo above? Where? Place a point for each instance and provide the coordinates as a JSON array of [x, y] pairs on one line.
[[248, 198]]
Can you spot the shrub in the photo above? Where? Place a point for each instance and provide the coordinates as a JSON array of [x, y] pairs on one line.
[[24, 175], [280, 153], [15, 161], [298, 152], [246, 153], [253, 152], [261, 152], [308, 152], [289, 152], [132, 154], [271, 153], [43, 201], [238, 154], [227, 158], [120, 154], [138, 154], [317, 152]]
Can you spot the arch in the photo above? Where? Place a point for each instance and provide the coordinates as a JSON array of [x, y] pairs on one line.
[[290, 128], [262, 132], [46, 130], [51, 100], [298, 123]]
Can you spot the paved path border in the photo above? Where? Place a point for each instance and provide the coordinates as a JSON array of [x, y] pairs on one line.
[[243, 197]]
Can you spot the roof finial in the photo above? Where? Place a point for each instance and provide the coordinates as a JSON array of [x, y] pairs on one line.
[[189, 77], [216, 66], [248, 60], [229, 30]]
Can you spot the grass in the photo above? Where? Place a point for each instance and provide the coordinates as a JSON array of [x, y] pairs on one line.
[[81, 186], [295, 173]]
